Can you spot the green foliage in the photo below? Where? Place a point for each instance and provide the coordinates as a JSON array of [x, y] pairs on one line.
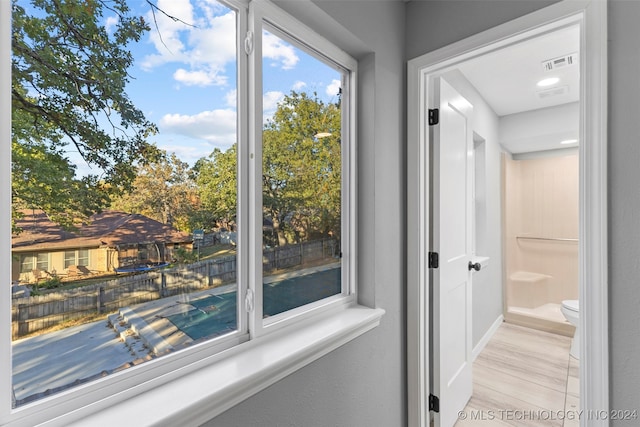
[[301, 173], [50, 283], [185, 256], [203, 219], [69, 74], [45, 179], [217, 186], [163, 190]]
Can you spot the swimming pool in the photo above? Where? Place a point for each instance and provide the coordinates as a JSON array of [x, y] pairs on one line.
[[215, 315]]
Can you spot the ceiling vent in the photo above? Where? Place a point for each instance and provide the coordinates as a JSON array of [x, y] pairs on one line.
[[560, 62], [555, 91]]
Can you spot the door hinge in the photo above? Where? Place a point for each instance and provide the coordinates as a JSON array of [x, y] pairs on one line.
[[433, 260], [434, 116], [434, 403], [248, 43]]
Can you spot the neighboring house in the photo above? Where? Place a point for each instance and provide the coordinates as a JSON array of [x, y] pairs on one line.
[[109, 240]]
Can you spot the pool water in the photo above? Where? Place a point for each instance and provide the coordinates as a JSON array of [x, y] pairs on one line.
[[212, 316], [215, 315]]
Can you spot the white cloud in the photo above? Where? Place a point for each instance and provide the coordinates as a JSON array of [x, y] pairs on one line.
[[231, 98], [270, 100], [334, 88], [276, 49], [214, 42], [298, 85], [187, 153], [270, 104], [198, 78], [165, 32], [217, 127], [203, 49], [111, 23]]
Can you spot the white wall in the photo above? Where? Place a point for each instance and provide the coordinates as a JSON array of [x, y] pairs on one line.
[[541, 201], [487, 283], [541, 129], [362, 383]]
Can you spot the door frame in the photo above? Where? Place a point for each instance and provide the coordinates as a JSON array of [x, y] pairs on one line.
[[593, 280]]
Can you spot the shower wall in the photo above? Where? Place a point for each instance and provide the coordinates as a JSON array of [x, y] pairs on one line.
[[541, 238]]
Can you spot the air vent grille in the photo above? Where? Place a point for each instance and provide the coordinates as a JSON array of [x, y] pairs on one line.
[[556, 91], [560, 62]]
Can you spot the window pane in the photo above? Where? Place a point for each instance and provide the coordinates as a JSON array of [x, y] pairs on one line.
[[69, 258], [301, 145], [143, 254], [43, 262], [83, 257], [26, 263], [140, 135]]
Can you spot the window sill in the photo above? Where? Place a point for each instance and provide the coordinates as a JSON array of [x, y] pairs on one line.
[[204, 393]]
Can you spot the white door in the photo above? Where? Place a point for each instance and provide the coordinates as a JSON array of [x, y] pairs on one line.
[[452, 143]]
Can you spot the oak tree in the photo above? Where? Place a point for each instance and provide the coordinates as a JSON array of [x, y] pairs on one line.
[[69, 75], [164, 190], [301, 173], [302, 169], [217, 187]]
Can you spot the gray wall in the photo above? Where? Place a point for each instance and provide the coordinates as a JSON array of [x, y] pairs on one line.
[[433, 24], [362, 383], [624, 204]]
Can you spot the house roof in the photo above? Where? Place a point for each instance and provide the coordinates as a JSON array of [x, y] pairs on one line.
[[108, 228]]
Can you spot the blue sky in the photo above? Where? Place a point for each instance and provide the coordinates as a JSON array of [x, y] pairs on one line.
[[185, 77]]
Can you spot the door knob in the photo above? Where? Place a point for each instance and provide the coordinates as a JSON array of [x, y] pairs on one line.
[[474, 266]]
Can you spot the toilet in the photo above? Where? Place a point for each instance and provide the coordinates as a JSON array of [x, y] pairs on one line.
[[570, 310]]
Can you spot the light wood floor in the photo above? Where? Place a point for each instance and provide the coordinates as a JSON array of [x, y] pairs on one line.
[[524, 377]]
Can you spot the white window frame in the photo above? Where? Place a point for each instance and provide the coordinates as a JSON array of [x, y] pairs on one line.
[[26, 267], [35, 263], [88, 257], [65, 259], [214, 375], [76, 258], [264, 15]]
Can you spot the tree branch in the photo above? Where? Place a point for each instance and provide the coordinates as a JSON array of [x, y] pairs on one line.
[[173, 18]]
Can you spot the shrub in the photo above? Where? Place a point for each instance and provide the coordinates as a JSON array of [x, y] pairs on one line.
[[50, 283], [184, 256]]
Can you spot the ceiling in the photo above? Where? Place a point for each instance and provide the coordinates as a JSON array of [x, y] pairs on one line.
[[507, 78], [532, 118]]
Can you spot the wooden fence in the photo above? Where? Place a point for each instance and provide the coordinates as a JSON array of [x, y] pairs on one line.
[[39, 312], [292, 255]]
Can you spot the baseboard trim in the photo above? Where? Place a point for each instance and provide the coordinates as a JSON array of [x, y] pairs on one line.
[[487, 337]]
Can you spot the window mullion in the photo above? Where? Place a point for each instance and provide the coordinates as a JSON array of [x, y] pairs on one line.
[[254, 50], [242, 173], [349, 171], [5, 211]]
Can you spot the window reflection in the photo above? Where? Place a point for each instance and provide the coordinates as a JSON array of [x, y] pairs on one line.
[[301, 149]]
